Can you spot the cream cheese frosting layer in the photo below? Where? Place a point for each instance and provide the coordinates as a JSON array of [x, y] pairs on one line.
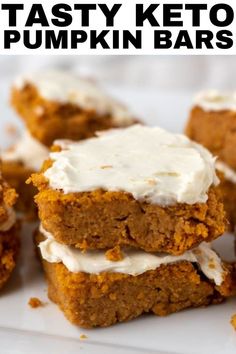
[[214, 100], [150, 163], [66, 87], [27, 150], [135, 262], [228, 172]]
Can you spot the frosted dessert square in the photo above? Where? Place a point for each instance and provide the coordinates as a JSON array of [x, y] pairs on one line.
[[139, 186]]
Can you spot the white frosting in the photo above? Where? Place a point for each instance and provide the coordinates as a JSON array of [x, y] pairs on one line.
[[27, 150], [228, 172], [66, 87], [135, 262], [7, 225], [150, 163], [213, 100]]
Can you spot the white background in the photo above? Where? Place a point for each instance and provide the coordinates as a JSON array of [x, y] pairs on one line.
[[125, 19]]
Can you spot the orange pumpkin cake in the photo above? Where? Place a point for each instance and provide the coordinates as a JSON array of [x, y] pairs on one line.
[[83, 283]]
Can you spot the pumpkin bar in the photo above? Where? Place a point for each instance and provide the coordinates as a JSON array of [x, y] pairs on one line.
[[140, 187], [54, 105], [212, 123], [62, 105], [82, 284], [9, 232], [18, 163]]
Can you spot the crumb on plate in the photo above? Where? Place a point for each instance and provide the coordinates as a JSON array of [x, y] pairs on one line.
[[34, 302]]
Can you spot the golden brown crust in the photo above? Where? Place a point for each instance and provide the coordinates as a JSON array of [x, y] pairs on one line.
[[16, 174], [9, 248], [169, 288], [48, 121], [216, 130], [104, 219]]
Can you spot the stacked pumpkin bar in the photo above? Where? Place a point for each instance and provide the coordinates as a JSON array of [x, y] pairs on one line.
[[9, 232], [126, 223], [55, 105], [212, 123]]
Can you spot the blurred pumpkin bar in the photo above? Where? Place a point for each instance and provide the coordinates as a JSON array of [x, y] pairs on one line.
[[55, 105], [212, 123], [62, 105], [19, 162], [9, 232]]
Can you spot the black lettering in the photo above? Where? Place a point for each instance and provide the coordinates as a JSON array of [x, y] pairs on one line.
[[136, 40], [37, 15], [142, 15], [28, 39], [85, 9], [78, 37], [63, 19], [98, 39], [229, 12], [225, 42], [169, 15], [56, 41], [10, 37], [204, 37], [12, 11], [196, 11], [116, 39], [162, 39], [183, 40], [110, 14]]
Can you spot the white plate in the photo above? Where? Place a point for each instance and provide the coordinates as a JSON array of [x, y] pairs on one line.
[[45, 330]]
